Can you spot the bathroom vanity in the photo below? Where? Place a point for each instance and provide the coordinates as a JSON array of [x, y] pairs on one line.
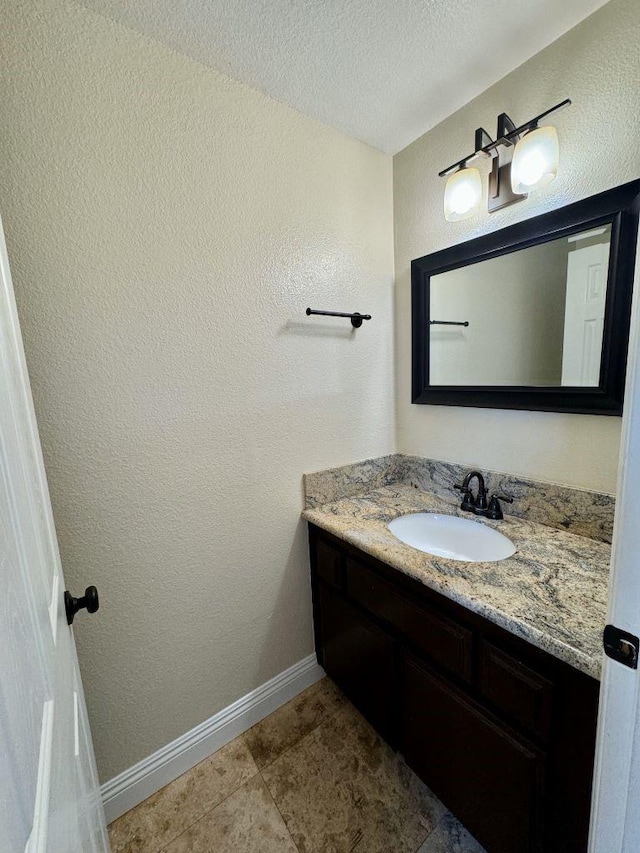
[[483, 675]]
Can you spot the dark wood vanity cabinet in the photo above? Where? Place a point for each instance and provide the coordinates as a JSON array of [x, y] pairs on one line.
[[502, 732]]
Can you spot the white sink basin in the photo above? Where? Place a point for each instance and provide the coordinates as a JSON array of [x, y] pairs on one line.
[[452, 537]]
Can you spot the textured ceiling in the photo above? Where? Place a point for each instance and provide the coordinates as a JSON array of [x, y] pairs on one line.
[[384, 71]]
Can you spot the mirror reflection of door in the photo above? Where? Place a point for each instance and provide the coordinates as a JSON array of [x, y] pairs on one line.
[[584, 312], [529, 318]]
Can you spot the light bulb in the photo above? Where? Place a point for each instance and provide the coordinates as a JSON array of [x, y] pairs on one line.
[[462, 194], [535, 160]]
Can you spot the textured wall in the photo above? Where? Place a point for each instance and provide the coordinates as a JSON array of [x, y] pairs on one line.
[[167, 227], [595, 64]]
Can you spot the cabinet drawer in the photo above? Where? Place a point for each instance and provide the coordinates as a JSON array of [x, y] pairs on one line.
[[329, 563], [521, 693], [491, 781], [444, 641]]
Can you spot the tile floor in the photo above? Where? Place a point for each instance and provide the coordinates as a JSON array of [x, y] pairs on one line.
[[313, 777]]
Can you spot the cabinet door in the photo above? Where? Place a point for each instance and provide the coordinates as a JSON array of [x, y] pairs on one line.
[[360, 658], [492, 782]]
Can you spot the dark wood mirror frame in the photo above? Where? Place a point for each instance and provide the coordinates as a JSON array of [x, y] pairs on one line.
[[619, 207]]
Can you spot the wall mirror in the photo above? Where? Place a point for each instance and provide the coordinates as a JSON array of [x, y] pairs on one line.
[[535, 316]]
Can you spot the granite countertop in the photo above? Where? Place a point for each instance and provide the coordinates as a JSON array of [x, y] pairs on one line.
[[551, 592]]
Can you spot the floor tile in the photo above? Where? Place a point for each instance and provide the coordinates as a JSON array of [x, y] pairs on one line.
[[343, 789], [158, 820], [247, 822], [290, 723], [450, 837]]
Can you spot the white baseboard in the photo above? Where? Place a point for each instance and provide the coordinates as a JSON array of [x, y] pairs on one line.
[[134, 785]]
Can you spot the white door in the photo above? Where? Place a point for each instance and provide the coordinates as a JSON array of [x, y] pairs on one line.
[[49, 795], [587, 273], [615, 811]]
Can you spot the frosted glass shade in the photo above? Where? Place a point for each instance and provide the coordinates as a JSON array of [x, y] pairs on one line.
[[535, 160], [462, 194]]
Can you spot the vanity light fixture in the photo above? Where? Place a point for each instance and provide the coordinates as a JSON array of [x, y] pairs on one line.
[[525, 158], [535, 160], [463, 194]]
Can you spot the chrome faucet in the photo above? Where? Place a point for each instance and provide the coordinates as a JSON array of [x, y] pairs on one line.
[[478, 505]]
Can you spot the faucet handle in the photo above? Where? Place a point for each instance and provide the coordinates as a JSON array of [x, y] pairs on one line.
[[467, 498], [494, 510]]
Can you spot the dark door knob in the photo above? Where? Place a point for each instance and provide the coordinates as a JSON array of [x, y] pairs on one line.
[[89, 600]]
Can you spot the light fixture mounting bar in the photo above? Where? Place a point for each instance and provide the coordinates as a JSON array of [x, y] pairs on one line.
[[503, 140]]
